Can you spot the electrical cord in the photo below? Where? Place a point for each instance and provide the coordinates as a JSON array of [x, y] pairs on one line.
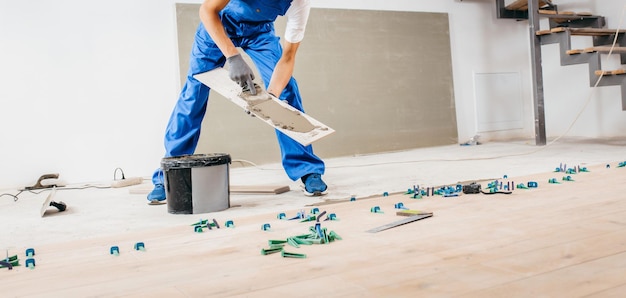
[[86, 186]]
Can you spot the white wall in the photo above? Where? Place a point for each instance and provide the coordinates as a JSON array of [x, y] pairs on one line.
[[87, 86]]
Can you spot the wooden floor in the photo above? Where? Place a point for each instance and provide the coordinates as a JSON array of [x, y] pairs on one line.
[[558, 240]]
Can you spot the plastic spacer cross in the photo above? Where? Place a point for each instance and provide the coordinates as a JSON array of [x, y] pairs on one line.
[[140, 246], [30, 263], [400, 206], [375, 209], [553, 181], [30, 252]]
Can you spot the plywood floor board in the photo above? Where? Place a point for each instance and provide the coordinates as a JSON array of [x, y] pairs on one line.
[[559, 239]]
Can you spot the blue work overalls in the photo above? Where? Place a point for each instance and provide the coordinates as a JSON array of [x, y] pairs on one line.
[[250, 25]]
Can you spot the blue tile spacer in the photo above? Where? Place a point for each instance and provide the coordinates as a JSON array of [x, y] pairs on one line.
[[140, 246], [30, 263], [532, 184], [385, 194], [331, 216], [400, 206], [567, 178], [229, 224], [30, 252], [375, 209], [553, 181], [315, 211], [299, 215], [281, 216], [505, 176], [265, 227], [352, 198], [114, 250]]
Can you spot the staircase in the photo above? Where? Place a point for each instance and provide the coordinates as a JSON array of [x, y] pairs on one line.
[[563, 25]]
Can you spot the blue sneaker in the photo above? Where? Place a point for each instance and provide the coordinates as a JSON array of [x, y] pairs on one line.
[[157, 195], [313, 185]]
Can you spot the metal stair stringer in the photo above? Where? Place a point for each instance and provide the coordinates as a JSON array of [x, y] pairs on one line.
[[592, 59]]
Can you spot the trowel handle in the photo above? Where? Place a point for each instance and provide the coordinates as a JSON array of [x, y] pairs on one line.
[[60, 205]]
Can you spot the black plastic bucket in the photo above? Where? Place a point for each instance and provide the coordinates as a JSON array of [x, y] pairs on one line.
[[196, 183]]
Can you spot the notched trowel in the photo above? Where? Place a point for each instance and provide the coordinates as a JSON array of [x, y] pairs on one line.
[[49, 202]]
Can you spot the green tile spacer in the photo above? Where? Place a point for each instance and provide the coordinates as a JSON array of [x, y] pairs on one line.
[[140, 246], [416, 196], [30, 252], [309, 218], [114, 250], [11, 259], [285, 254], [198, 229], [522, 186], [570, 171], [201, 222], [334, 235], [584, 169], [30, 263], [553, 181], [409, 191], [301, 241], [376, 209], [11, 262], [622, 164], [567, 178], [229, 224], [325, 233], [276, 242], [277, 246], [271, 250], [291, 241]]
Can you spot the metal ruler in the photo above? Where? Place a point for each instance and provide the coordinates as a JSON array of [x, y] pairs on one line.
[[400, 222]]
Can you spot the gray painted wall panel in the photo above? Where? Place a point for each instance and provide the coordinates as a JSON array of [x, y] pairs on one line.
[[381, 79]]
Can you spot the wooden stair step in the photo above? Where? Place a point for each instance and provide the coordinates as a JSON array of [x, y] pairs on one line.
[[594, 31], [550, 31], [582, 31], [596, 49], [610, 72], [606, 49], [523, 5]]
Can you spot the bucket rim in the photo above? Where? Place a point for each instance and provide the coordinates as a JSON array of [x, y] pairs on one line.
[[195, 160]]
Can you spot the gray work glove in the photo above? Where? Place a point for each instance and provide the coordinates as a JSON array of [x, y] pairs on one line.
[[241, 73]]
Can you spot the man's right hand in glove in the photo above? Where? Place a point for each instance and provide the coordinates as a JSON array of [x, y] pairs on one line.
[[241, 73]]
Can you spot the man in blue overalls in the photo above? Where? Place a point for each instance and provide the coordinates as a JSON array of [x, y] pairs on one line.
[[247, 24]]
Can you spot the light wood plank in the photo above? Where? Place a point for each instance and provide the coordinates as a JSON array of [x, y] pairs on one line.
[[568, 236]]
